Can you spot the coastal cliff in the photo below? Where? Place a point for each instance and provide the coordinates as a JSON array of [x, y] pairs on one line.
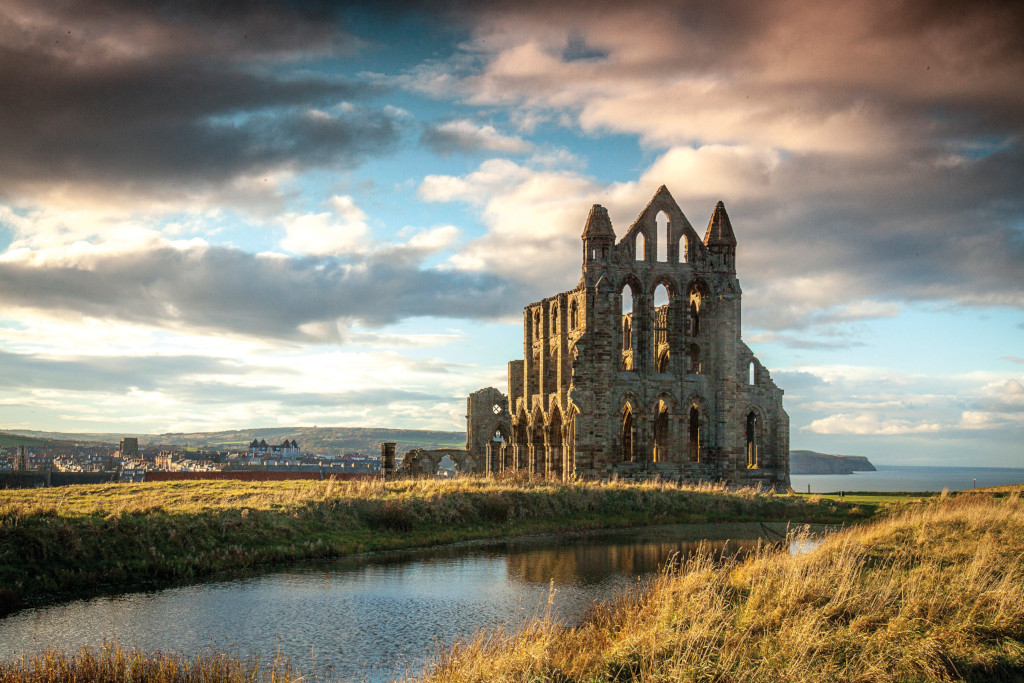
[[809, 462]]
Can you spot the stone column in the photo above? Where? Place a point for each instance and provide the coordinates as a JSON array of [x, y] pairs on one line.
[[387, 459]]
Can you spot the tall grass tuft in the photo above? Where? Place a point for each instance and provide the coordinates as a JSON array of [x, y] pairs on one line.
[[935, 593], [113, 663]]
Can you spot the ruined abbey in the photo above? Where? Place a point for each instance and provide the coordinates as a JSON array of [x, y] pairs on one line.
[[639, 371]]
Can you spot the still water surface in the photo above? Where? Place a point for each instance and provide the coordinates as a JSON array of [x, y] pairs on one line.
[[373, 619]]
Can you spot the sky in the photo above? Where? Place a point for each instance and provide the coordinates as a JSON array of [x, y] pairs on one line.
[[226, 214]]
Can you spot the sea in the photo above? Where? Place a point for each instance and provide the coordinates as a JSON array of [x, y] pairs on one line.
[[909, 478]]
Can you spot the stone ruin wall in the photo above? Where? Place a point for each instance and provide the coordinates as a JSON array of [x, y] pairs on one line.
[[662, 390]]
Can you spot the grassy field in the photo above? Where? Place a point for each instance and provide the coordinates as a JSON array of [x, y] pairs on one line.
[[80, 539], [933, 592]]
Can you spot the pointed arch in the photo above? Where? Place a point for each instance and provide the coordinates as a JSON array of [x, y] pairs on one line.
[[663, 411], [661, 236], [537, 442], [697, 296], [627, 432], [497, 449], [754, 430], [520, 440], [553, 461], [663, 298], [627, 327], [696, 423], [640, 246], [569, 457], [693, 359], [628, 435]]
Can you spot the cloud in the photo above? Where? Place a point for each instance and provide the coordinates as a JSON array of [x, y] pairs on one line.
[[844, 78], [866, 424], [462, 136], [342, 231], [864, 163], [168, 100], [223, 289], [811, 252], [91, 373], [534, 217]]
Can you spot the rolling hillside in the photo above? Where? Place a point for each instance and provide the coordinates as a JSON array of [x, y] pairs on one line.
[[320, 440]]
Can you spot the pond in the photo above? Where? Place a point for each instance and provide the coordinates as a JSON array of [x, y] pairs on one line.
[[376, 617]]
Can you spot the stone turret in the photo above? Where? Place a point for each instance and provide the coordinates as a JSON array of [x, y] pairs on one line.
[[598, 236], [721, 240]]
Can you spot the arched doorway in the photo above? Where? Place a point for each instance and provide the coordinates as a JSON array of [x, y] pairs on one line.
[[497, 451]]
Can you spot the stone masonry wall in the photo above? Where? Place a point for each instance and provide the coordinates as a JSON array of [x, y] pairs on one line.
[[663, 389]]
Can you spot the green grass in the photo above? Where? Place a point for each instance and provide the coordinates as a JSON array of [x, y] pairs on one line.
[[76, 539]]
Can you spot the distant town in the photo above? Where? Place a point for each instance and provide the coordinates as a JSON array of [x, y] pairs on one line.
[[129, 462]]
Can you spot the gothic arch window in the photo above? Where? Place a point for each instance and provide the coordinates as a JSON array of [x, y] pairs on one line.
[[684, 249], [694, 303], [537, 446], [574, 314], [521, 443], [628, 433], [554, 459], [693, 429], [554, 320], [751, 373], [661, 236], [536, 324], [661, 433], [693, 358], [640, 247], [753, 447], [628, 329], [662, 314]]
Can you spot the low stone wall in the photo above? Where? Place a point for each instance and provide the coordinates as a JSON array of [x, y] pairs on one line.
[[41, 478], [252, 475]]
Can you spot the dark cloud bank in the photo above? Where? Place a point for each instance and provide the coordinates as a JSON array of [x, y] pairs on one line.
[[187, 93], [228, 290]]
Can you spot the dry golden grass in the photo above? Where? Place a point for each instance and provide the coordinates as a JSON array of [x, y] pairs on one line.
[[204, 496], [69, 539], [113, 663], [934, 593]]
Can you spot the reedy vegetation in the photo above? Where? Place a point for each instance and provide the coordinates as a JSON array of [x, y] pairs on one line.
[[933, 593], [113, 663], [73, 539]]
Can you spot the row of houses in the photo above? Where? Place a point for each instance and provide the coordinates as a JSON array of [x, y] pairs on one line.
[[262, 449]]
